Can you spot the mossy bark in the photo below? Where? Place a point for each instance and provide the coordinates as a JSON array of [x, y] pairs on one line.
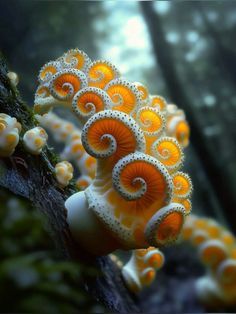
[[32, 177]]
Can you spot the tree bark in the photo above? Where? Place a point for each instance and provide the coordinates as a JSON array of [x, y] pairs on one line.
[[32, 177], [223, 192]]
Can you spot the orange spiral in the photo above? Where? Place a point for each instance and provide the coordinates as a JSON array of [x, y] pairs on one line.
[[144, 94], [158, 102], [182, 185], [185, 202], [42, 92], [48, 70], [141, 178], [66, 83], [169, 152], [89, 101], [110, 133], [166, 225], [76, 59], [125, 95], [100, 73], [151, 121]]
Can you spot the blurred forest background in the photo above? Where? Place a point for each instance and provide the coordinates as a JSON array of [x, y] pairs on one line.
[[181, 50]]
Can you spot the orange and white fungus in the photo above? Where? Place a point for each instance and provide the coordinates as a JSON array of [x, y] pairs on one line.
[[9, 134], [60, 128], [14, 79], [83, 182], [217, 251], [141, 269], [64, 172], [176, 125], [67, 133], [138, 195], [34, 140]]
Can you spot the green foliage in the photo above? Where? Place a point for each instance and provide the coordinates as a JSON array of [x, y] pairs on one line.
[[32, 277]]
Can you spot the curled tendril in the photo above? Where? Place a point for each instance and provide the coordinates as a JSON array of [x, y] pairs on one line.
[[158, 102], [151, 121], [76, 59], [125, 95], [182, 185], [166, 225], [89, 101], [185, 202], [112, 132], [101, 72], [178, 127], [42, 92], [169, 152], [144, 94], [141, 177], [48, 70], [66, 83]]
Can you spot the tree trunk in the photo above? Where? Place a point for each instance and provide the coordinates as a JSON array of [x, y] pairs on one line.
[[32, 177]]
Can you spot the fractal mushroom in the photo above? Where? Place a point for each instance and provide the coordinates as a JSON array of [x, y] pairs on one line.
[[122, 144], [128, 147]]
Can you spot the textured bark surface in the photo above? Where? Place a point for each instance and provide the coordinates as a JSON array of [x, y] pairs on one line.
[[32, 177]]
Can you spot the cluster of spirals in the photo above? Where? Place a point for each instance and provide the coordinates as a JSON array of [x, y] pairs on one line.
[[124, 129], [140, 271], [217, 251]]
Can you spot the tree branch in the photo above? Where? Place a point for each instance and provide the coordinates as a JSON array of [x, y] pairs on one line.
[[32, 177]]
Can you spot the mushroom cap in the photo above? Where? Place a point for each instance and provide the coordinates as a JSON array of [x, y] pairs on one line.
[[14, 78], [64, 172], [198, 237], [226, 272], [228, 238], [214, 229], [212, 253], [9, 134], [83, 182], [34, 140], [154, 258]]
